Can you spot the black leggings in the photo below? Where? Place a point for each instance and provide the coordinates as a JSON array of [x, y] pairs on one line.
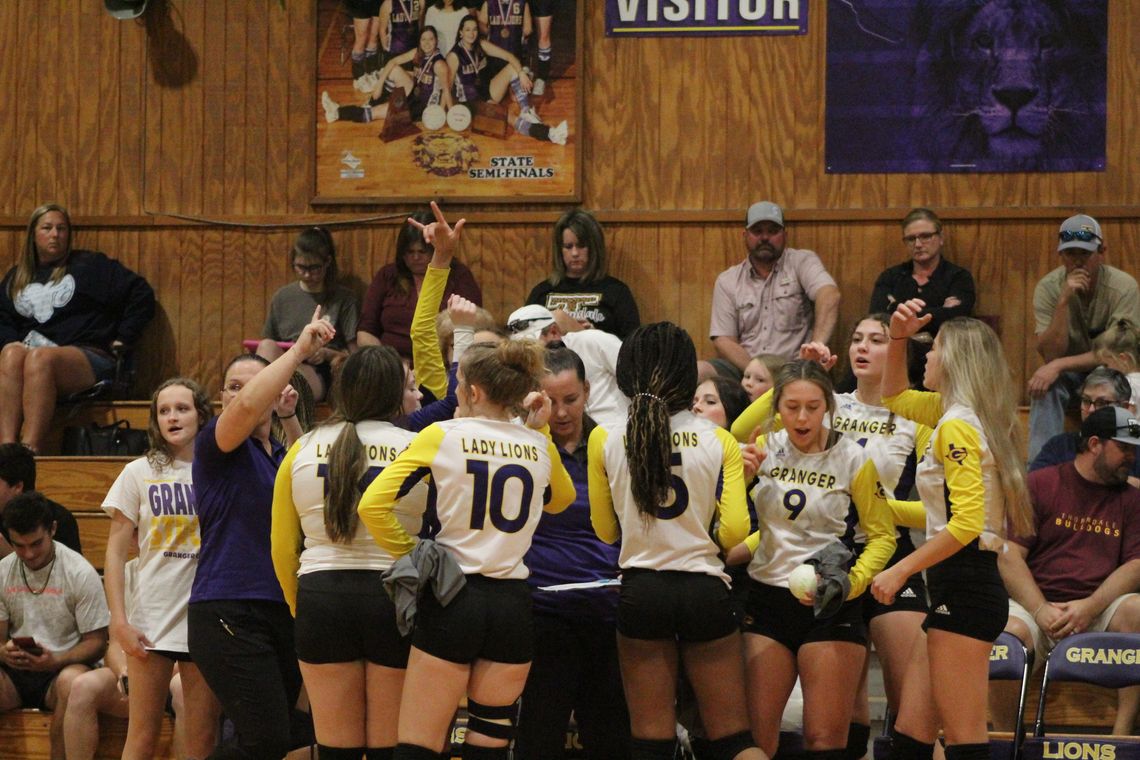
[[245, 652]]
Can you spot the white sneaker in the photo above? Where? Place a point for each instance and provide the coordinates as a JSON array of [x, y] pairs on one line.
[[332, 110], [539, 88], [559, 134], [529, 114], [365, 82]]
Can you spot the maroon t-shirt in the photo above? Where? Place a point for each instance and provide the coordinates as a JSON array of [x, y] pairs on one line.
[[1084, 531], [387, 313]]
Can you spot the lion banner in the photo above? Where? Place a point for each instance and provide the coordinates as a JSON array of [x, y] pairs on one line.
[[966, 85]]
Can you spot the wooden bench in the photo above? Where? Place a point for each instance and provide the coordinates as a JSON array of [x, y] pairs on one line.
[[24, 735], [81, 484]]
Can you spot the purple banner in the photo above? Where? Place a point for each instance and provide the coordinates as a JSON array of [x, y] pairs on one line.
[[957, 86], [704, 18]]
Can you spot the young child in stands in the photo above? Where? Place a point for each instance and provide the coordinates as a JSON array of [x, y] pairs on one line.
[[1118, 348]]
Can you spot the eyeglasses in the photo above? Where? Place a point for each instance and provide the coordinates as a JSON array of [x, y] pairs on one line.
[[923, 236], [1097, 403], [309, 268], [233, 388], [1085, 236], [521, 324]]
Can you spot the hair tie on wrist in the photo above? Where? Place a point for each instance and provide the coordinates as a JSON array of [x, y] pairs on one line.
[[648, 395], [287, 416]]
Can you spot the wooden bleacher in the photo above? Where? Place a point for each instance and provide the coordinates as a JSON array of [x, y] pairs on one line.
[[24, 736]]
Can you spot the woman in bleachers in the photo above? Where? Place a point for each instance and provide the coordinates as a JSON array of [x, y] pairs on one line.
[[64, 313], [239, 626], [154, 495], [972, 482]]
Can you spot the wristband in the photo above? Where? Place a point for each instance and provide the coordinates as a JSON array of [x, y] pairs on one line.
[[1039, 607], [287, 416]]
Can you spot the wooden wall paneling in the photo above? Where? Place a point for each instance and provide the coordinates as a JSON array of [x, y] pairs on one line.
[[257, 53], [188, 151], [99, 111], [131, 175], [167, 128], [709, 108], [24, 187], [647, 155], [184, 320], [510, 251], [210, 144], [1014, 293], [734, 75], [10, 66], [628, 169], [670, 285], [300, 92], [692, 292], [234, 115], [1124, 50], [215, 335], [279, 48], [52, 114], [600, 78], [681, 126], [801, 146]]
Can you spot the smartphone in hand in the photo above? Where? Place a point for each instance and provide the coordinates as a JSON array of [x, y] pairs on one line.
[[28, 644]]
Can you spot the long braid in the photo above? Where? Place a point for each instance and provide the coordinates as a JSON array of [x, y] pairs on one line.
[[657, 369]]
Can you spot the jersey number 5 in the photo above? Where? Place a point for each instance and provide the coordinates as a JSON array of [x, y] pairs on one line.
[[680, 492], [484, 499]]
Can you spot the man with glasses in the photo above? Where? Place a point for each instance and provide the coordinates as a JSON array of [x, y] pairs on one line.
[[1073, 304], [1079, 570], [1103, 387]]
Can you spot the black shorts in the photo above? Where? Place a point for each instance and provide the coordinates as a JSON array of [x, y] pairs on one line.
[[542, 7], [489, 619], [345, 616], [967, 595], [170, 654], [910, 598], [668, 604], [773, 612], [362, 8], [31, 685]]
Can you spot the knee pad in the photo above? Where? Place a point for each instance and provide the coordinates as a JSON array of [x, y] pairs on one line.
[[967, 751], [414, 752], [497, 722], [652, 749], [485, 753], [340, 753], [904, 747], [728, 747], [858, 734], [379, 753]]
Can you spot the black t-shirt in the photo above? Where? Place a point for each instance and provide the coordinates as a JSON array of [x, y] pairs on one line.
[[608, 303]]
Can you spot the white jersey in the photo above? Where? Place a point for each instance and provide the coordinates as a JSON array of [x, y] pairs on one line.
[[804, 503], [598, 349], [490, 480], [707, 483], [889, 438], [161, 505], [383, 442]]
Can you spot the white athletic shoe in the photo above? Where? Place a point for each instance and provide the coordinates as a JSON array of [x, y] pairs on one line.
[[529, 114], [332, 110], [559, 134], [539, 88]]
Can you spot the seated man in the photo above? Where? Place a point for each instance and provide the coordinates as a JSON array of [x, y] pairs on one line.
[[1103, 387], [18, 474], [53, 615], [1073, 304], [1080, 569]]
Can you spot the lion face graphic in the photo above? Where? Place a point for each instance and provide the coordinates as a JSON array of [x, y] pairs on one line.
[[1015, 83]]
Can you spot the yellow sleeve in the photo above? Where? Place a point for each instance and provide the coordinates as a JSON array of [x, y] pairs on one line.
[[877, 522], [562, 492], [753, 542], [380, 498], [922, 436], [285, 537], [958, 447], [908, 514], [754, 416], [430, 364], [732, 507], [602, 515], [923, 407]]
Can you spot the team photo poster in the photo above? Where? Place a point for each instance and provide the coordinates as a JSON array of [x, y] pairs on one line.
[[459, 103]]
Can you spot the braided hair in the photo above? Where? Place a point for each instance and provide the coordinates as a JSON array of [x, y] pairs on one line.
[[657, 369]]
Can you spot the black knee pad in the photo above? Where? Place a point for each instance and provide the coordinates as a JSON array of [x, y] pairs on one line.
[[488, 719], [379, 753], [826, 754], [652, 749], [414, 752], [471, 752], [858, 734], [339, 753], [728, 747], [904, 747], [968, 751]]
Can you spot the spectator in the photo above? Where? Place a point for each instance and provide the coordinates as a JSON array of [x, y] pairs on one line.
[[1069, 577], [1119, 347], [53, 615], [391, 299], [775, 301], [760, 374], [17, 475], [579, 282], [946, 287], [1102, 387], [64, 314], [1073, 304], [313, 260]]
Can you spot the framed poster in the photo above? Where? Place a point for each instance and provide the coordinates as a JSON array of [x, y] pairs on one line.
[[466, 100]]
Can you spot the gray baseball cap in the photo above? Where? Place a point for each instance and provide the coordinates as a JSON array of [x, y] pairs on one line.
[[1078, 232], [764, 211]]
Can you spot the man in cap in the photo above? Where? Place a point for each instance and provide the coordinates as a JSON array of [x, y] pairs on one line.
[[597, 349], [1079, 570], [1073, 304], [776, 300]]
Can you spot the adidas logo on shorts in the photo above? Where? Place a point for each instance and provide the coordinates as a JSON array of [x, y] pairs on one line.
[[942, 609], [908, 594]]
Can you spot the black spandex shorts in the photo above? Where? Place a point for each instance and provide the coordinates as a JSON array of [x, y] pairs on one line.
[[362, 8], [773, 612], [489, 619], [170, 654], [667, 604], [345, 616], [967, 596], [31, 685], [910, 598], [542, 7]]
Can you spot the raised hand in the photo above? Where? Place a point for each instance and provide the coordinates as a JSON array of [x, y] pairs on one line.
[[906, 322], [441, 235]]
